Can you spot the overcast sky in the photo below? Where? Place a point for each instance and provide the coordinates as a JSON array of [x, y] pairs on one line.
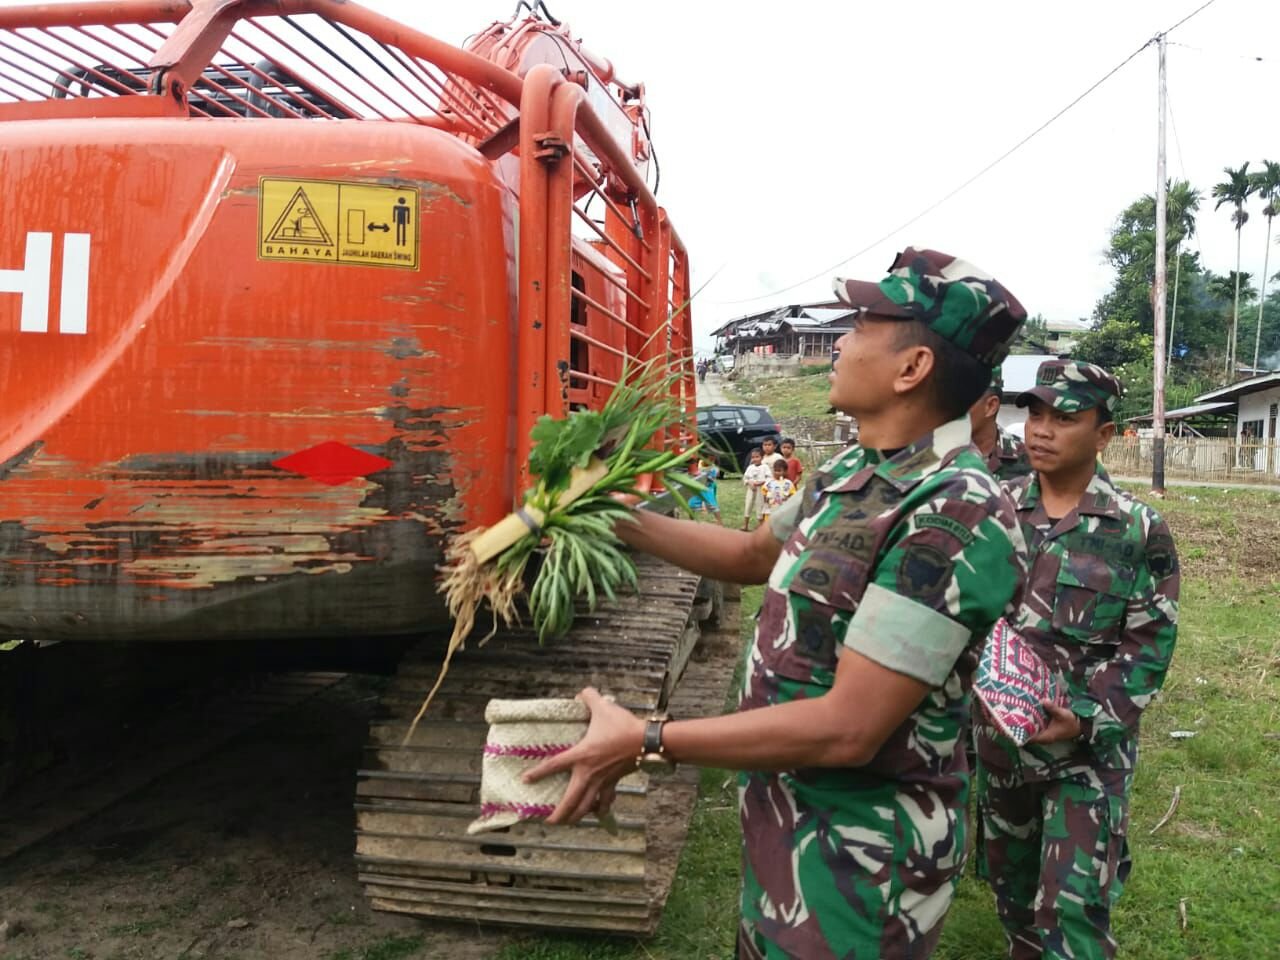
[[793, 134]]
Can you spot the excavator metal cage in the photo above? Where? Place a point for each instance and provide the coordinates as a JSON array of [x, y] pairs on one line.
[[327, 60], [279, 60]]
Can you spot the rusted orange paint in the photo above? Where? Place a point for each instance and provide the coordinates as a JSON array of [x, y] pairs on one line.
[[138, 495]]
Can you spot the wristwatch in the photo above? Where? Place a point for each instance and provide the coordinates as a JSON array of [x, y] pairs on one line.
[[652, 758]]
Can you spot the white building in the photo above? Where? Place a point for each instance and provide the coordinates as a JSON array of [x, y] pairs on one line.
[[1258, 403], [1061, 335]]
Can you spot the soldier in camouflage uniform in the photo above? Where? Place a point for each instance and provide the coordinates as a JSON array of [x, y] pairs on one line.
[[1005, 455], [1006, 458], [1101, 607], [883, 578]]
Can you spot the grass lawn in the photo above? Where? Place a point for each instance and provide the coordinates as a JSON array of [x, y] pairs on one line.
[[1219, 855], [802, 396]]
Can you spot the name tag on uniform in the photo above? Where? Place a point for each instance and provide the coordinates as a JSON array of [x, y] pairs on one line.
[[1112, 550]]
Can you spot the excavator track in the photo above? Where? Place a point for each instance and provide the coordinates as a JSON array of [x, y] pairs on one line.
[[413, 803]]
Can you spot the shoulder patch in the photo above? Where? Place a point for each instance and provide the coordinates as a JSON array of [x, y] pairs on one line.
[[923, 573], [940, 521]]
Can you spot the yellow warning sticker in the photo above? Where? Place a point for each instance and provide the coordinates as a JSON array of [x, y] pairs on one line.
[[335, 221]]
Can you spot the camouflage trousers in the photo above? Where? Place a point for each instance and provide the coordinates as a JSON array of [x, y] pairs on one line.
[[1055, 853], [845, 870]]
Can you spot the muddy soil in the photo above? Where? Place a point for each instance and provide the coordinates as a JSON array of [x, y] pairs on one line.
[[246, 853]]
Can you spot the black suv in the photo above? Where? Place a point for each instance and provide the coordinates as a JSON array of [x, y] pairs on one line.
[[732, 429]]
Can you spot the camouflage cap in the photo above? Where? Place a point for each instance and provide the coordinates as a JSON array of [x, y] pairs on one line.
[[957, 300], [1072, 386]]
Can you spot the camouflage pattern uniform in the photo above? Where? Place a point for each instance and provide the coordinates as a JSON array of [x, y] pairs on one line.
[[1008, 460], [907, 559], [1100, 607]]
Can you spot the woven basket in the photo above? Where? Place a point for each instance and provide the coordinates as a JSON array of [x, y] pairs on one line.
[[523, 733]]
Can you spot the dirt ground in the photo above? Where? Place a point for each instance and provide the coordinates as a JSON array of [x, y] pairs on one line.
[[1228, 535], [247, 853]]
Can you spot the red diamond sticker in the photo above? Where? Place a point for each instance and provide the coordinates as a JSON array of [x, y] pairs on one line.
[[332, 463]]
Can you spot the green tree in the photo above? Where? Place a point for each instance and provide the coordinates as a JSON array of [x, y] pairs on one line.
[[1133, 238], [1229, 292], [1132, 252], [1269, 357], [1266, 184], [1235, 190], [1113, 344], [1200, 340], [1119, 346], [1182, 203], [1034, 335]]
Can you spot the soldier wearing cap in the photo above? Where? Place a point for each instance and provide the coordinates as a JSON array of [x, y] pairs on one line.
[[883, 578], [1005, 454], [1101, 608]]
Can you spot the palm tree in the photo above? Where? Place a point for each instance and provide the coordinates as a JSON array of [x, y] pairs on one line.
[[1234, 190], [1266, 184], [1182, 202], [1223, 289]]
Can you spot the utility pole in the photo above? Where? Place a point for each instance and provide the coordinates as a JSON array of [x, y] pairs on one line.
[[1158, 296]]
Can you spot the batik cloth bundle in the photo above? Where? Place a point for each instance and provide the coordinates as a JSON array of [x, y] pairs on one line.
[[523, 733], [1011, 682]]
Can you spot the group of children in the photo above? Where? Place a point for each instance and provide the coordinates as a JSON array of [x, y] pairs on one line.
[[771, 479]]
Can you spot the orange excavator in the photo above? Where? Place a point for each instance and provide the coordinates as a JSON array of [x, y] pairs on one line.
[[284, 285]]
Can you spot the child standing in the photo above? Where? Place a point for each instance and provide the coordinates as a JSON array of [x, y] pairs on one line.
[[755, 477], [769, 453], [794, 466], [708, 473], [778, 490]]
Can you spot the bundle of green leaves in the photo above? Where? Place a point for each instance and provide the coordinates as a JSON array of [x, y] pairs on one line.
[[572, 537], [581, 554]]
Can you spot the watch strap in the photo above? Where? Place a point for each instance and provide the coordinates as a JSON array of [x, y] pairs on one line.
[[653, 735], [652, 753]]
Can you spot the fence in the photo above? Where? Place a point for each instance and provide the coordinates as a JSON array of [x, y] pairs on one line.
[[814, 452], [765, 365], [1197, 458]]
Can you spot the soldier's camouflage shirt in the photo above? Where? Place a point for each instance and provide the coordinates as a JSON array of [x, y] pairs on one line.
[[1008, 458], [1101, 607], [909, 561]]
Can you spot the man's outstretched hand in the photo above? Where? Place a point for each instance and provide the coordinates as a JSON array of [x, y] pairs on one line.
[[597, 762]]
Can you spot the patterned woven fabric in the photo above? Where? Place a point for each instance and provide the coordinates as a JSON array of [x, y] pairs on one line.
[[1011, 682], [523, 733]]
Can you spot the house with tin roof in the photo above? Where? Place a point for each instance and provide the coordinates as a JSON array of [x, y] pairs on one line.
[[806, 331]]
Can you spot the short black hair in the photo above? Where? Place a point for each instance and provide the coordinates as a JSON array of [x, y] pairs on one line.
[[755, 450], [785, 441], [958, 378], [1104, 415]]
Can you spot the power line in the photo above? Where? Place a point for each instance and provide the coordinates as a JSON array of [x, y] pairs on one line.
[[990, 166], [1207, 3], [1182, 164], [939, 202], [1225, 56]]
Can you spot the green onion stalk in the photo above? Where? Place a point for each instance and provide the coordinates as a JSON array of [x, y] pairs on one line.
[[587, 465]]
